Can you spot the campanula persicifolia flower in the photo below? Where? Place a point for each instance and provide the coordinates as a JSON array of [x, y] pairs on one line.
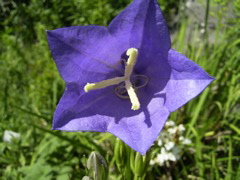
[[125, 78]]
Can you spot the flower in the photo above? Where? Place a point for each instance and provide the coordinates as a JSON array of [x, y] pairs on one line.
[[170, 145], [164, 157], [124, 78], [8, 135]]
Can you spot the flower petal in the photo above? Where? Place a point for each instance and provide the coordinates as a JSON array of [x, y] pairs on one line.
[[141, 25], [140, 131], [186, 82], [82, 51], [103, 111], [76, 103]]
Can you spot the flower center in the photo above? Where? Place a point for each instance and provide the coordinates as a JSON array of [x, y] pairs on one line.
[[125, 89], [138, 81]]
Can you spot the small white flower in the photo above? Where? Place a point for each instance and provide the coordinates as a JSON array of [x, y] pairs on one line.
[[188, 4], [9, 135], [186, 141], [170, 123], [171, 157], [169, 145], [172, 130], [202, 31], [171, 148], [160, 143], [181, 138], [162, 157], [165, 156], [152, 162], [163, 151], [181, 128], [202, 24]]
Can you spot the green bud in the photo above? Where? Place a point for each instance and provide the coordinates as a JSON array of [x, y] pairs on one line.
[[146, 160], [86, 178], [119, 154], [97, 166], [132, 160], [140, 163]]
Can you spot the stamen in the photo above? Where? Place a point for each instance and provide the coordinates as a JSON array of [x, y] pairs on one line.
[[121, 91], [103, 84], [132, 95], [132, 53]]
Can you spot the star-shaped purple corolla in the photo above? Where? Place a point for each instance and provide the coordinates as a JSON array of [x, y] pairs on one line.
[[90, 54]]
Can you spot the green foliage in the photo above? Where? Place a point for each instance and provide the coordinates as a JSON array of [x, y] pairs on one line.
[[30, 88], [23, 18]]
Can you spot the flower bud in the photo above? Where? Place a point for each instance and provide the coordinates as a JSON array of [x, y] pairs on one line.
[[140, 164], [119, 154], [86, 178], [97, 166]]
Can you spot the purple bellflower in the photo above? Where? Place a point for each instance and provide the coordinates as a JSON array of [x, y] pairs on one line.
[[125, 78]]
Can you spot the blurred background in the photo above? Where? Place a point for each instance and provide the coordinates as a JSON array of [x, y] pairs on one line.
[[200, 141]]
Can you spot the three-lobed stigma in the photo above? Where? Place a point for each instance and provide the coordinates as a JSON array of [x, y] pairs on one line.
[[132, 53]]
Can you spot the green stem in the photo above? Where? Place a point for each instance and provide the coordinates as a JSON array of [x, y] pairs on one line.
[[206, 18]]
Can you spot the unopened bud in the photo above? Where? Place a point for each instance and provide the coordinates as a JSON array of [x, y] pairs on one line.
[[97, 166], [140, 164], [119, 154], [86, 178]]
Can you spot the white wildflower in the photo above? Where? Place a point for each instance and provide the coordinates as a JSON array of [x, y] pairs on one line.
[[202, 31], [162, 157], [186, 141], [189, 3], [9, 135], [181, 138], [152, 162], [181, 128], [172, 157], [159, 142], [170, 123], [169, 145], [172, 130]]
